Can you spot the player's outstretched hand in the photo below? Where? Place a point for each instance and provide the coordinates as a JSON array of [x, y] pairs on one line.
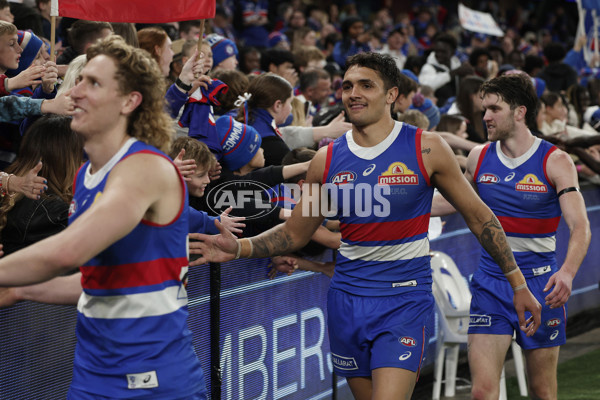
[[562, 282], [232, 224], [525, 301], [213, 248]]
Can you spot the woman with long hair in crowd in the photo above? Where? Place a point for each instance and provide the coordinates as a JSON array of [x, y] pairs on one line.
[[24, 221]]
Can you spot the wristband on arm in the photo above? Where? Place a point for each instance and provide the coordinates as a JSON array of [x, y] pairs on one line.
[[516, 279], [244, 249]]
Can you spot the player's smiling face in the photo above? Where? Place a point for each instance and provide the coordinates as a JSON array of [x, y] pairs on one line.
[[364, 96]]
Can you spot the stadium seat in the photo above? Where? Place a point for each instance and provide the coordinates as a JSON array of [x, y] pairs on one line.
[[453, 298]]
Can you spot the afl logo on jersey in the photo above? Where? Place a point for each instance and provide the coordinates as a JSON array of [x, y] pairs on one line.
[[531, 183], [343, 177], [408, 341], [488, 178], [72, 207], [398, 174]]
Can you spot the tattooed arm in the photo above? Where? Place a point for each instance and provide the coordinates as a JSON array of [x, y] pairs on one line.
[[445, 174], [281, 239]]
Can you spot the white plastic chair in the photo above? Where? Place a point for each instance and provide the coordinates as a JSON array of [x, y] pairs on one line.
[[453, 299]]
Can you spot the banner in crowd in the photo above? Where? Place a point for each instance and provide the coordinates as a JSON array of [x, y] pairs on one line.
[[138, 11], [589, 25], [477, 21]]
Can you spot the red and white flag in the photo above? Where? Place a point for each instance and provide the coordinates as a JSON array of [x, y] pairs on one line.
[[137, 11]]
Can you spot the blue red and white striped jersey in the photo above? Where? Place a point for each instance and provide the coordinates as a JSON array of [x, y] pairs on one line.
[[519, 192], [198, 115], [382, 197], [133, 339]]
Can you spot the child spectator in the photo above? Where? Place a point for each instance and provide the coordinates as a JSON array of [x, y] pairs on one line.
[[457, 125], [5, 14], [243, 163], [186, 148], [224, 52], [237, 84], [198, 114], [267, 107]]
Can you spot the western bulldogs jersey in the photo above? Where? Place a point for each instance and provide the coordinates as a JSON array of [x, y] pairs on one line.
[[524, 200], [382, 197], [198, 116], [133, 340]]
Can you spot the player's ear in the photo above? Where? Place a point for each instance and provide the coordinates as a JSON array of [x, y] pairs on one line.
[[131, 102], [392, 94], [520, 113]]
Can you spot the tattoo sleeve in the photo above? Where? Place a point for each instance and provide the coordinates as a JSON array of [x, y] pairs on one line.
[[274, 242], [426, 151], [493, 240]]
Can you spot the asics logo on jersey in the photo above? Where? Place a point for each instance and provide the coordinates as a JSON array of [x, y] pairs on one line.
[[554, 335], [405, 356], [369, 169], [509, 177]]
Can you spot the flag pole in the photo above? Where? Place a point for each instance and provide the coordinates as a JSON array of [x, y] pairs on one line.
[[200, 41], [53, 15]]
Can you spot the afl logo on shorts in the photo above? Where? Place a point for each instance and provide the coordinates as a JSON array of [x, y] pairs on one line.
[[553, 322], [72, 207], [343, 177], [488, 178], [408, 341]]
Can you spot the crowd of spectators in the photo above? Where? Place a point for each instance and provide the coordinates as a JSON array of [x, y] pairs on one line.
[[266, 80]]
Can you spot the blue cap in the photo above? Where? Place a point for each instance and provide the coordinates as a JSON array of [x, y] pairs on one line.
[[31, 45], [276, 37], [222, 48], [431, 111], [240, 142], [410, 74], [539, 85]]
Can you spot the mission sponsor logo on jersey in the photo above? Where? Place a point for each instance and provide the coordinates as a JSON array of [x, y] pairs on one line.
[[531, 183], [488, 178], [398, 174], [343, 177]]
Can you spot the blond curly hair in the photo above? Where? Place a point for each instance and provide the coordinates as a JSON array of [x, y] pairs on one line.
[[138, 72]]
